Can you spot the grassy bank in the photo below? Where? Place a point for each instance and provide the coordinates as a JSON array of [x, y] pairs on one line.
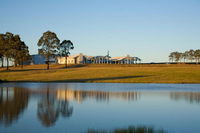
[[166, 73]]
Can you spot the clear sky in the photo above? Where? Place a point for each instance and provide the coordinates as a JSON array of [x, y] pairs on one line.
[[149, 29]]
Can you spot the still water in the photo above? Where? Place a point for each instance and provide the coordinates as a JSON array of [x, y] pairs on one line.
[[99, 107]]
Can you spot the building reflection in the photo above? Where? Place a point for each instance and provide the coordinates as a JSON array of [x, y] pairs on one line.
[[52, 103], [13, 101], [191, 97], [81, 95]]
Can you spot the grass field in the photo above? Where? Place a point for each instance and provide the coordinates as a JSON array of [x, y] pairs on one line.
[[166, 73]]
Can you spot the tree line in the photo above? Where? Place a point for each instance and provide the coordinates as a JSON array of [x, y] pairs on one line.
[[13, 48], [187, 56]]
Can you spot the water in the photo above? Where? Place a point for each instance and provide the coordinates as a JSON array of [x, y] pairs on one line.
[[95, 107]]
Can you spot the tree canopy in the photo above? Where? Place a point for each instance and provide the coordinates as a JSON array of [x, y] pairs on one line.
[[11, 47], [48, 44], [64, 49], [190, 56]]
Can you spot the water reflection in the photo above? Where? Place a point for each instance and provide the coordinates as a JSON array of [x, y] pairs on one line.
[[52, 103], [86, 107], [131, 129], [191, 97], [13, 101], [50, 108], [81, 95]]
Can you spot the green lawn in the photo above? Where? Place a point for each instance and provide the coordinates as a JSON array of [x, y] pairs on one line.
[[180, 73]]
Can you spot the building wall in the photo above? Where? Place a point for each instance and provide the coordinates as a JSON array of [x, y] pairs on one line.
[[79, 59], [38, 59], [10, 61]]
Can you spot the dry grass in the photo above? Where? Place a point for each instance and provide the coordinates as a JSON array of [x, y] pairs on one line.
[[166, 73]]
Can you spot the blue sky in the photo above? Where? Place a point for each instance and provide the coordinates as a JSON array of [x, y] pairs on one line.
[[149, 29]]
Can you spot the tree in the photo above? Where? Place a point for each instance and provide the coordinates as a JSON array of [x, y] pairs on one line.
[[64, 49], [22, 54], [171, 56], [197, 55], [2, 49], [175, 56], [8, 49], [48, 44], [186, 53], [191, 55], [16, 49]]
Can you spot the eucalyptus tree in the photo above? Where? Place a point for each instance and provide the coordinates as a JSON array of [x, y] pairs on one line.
[[171, 56], [48, 44], [8, 48], [191, 55], [22, 54], [186, 53], [175, 56], [16, 48], [2, 40], [64, 49], [197, 55]]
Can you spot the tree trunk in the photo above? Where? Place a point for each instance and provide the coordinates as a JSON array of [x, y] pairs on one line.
[[47, 65], [22, 64], [66, 61], [7, 67], [15, 63], [2, 62]]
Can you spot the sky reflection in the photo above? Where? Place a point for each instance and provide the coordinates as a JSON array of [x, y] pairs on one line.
[[79, 110]]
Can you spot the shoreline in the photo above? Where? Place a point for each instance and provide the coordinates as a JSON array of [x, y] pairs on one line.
[[2, 82]]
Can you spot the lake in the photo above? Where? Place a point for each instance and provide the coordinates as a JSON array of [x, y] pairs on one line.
[[99, 107]]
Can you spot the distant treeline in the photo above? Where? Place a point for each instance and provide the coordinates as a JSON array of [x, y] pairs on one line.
[[11, 47], [187, 56]]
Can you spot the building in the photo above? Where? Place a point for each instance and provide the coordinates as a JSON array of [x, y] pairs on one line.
[[40, 59], [83, 59], [125, 60], [4, 63], [75, 59]]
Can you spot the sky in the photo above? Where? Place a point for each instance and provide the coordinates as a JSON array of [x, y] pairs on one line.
[[149, 29]]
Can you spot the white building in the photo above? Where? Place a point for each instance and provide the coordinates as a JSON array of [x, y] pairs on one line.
[[83, 59], [74, 59], [4, 63]]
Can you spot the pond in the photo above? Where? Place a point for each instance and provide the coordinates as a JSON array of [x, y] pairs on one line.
[[99, 107]]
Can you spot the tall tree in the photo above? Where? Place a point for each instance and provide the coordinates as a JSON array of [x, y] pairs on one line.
[[171, 56], [48, 44], [197, 55], [186, 53], [191, 55], [8, 49], [22, 54], [175, 56], [64, 49], [16, 49], [2, 49]]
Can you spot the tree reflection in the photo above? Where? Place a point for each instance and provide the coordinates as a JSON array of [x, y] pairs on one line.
[[49, 109], [13, 101], [131, 129], [192, 97]]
